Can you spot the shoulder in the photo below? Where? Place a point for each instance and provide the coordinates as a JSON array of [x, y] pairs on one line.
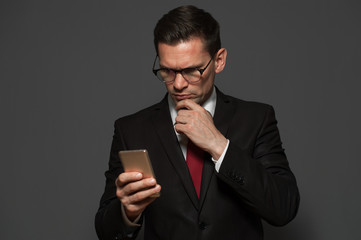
[[243, 106], [143, 115], [249, 104]]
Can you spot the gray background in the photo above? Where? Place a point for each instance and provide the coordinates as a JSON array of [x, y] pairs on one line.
[[70, 68]]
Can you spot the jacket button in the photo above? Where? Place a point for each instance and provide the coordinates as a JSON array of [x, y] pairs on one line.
[[232, 175], [202, 225], [241, 180]]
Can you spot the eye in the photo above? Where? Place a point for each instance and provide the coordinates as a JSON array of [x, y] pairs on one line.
[[191, 74], [191, 71], [166, 74]]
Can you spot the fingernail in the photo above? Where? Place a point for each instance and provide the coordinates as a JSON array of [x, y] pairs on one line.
[[139, 175]]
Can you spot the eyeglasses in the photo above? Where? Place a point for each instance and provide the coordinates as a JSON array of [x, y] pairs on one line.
[[191, 75]]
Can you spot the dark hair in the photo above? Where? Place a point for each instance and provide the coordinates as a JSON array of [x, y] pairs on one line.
[[185, 22]]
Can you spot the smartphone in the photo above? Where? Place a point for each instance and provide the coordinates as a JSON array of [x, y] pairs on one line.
[[137, 161]]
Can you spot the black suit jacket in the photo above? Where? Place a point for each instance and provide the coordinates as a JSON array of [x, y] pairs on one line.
[[254, 180]]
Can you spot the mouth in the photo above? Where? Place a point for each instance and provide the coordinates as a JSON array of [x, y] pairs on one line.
[[180, 97]]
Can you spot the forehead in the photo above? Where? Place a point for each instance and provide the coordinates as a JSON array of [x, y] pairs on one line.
[[182, 54]]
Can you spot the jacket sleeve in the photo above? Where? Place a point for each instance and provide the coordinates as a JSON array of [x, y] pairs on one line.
[[259, 173], [109, 223]]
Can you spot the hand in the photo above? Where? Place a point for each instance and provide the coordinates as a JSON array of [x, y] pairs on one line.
[[197, 124], [135, 192]]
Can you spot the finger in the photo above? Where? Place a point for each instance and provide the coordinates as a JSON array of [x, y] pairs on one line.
[[185, 107], [187, 104], [210, 114], [141, 196], [180, 128], [182, 118], [137, 186], [127, 177], [139, 206]]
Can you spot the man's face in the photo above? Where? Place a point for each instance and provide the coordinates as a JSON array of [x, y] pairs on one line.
[[187, 55]]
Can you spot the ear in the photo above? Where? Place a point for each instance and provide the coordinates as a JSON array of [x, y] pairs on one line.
[[220, 60]]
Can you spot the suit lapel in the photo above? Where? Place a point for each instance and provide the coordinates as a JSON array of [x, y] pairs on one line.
[[165, 131], [224, 113], [222, 116]]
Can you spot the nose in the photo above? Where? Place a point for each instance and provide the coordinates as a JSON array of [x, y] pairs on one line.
[[179, 82]]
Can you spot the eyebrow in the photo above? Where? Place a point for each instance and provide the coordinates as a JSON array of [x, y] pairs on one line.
[[196, 66]]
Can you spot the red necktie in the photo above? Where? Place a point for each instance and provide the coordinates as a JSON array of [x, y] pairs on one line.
[[195, 159]]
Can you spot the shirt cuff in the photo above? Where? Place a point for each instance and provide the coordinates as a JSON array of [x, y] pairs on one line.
[[217, 163], [127, 221]]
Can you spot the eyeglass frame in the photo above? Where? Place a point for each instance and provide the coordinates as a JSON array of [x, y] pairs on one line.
[[201, 70]]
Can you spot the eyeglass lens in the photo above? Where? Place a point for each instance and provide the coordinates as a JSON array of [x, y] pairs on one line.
[[189, 74]]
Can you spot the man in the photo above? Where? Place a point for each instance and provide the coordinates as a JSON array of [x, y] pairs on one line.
[[241, 174]]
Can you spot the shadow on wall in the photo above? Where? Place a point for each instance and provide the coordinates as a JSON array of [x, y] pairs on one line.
[[299, 229]]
